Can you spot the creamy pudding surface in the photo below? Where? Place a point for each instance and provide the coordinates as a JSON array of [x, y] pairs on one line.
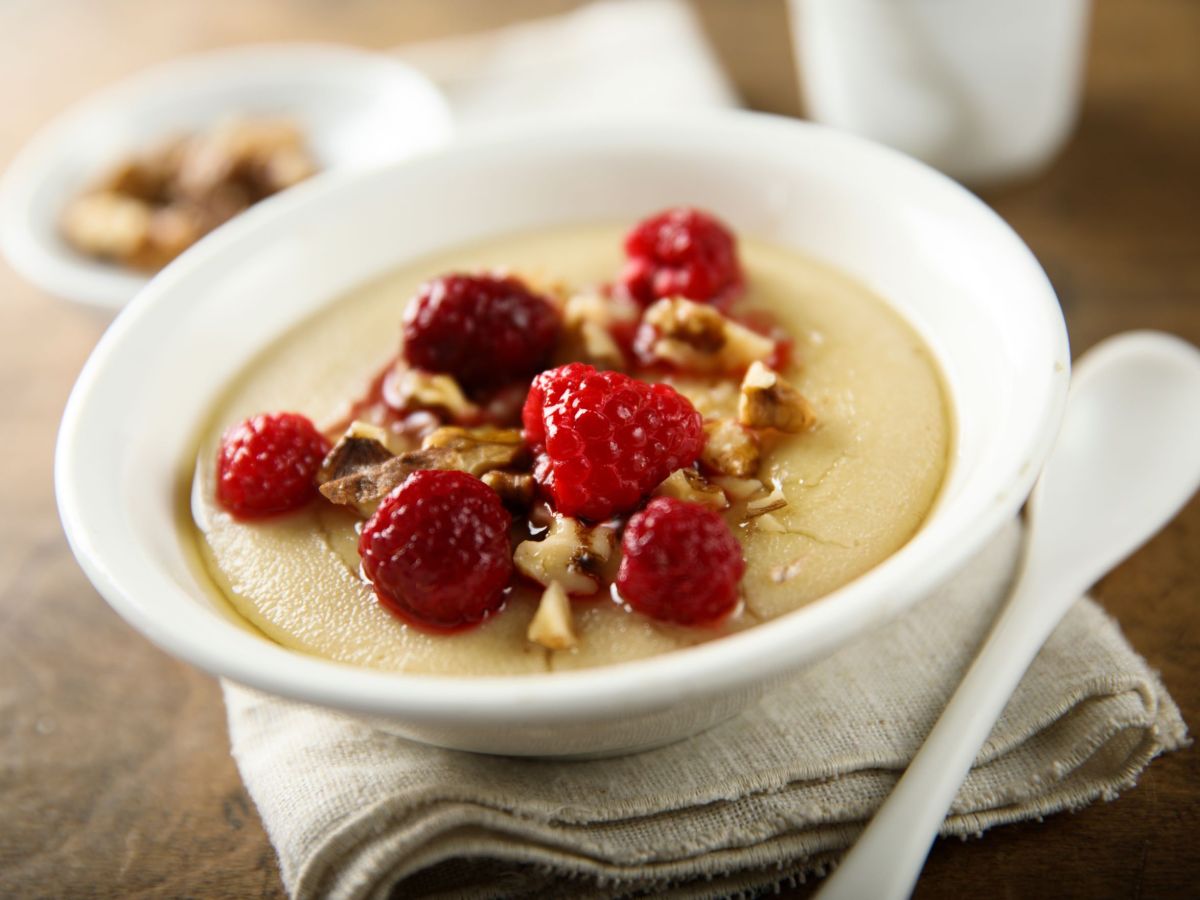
[[857, 486]]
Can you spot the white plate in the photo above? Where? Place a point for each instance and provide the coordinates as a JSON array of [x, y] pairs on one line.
[[358, 109]]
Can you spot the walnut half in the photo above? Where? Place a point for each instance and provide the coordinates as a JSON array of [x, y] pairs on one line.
[[767, 401]]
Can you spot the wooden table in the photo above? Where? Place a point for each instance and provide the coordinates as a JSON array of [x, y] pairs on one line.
[[115, 776]]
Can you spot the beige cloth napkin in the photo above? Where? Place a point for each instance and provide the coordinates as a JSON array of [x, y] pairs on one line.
[[764, 798], [761, 799]]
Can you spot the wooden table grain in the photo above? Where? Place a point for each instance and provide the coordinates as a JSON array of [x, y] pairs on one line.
[[115, 775]]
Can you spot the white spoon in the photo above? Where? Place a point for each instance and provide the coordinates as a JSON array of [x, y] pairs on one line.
[[1126, 460]]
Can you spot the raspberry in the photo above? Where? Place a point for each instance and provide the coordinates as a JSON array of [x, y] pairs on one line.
[[605, 440], [266, 464], [680, 563], [437, 550], [482, 329], [682, 252]]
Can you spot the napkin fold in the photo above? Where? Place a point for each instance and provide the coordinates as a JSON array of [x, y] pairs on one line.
[[766, 797]]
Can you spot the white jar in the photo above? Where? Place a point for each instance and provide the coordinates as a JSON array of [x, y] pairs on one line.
[[984, 90]]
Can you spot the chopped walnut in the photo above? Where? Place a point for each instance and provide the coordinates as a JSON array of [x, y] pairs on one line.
[[768, 504], [515, 489], [586, 335], [768, 401], [107, 224], [690, 485], [696, 337], [551, 625], [729, 448], [265, 155], [768, 523], [471, 450], [480, 450], [152, 206], [364, 488], [361, 447], [739, 488], [571, 554], [415, 389]]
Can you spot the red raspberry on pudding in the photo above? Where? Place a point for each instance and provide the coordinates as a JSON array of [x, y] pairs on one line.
[[680, 563], [437, 550], [682, 252], [604, 440], [267, 464], [484, 330]]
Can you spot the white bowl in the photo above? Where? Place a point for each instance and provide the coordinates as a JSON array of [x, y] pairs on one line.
[[358, 109], [946, 262]]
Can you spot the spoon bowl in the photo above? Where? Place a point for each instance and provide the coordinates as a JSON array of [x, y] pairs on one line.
[[1126, 460]]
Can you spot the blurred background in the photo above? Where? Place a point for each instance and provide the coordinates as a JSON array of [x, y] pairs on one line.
[[144, 794]]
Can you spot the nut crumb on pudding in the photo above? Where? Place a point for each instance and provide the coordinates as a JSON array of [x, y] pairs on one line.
[[768, 401], [570, 554], [840, 497], [690, 485], [551, 625], [730, 448]]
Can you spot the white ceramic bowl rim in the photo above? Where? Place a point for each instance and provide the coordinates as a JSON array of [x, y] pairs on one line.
[[191, 92], [209, 641]]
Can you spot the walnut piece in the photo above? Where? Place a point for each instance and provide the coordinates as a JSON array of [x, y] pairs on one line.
[[768, 504], [767, 401], [515, 489], [480, 450], [362, 446], [768, 523], [150, 207], [729, 448], [739, 488], [107, 224], [471, 450], [551, 626], [586, 336], [696, 337], [571, 554], [415, 389], [690, 485]]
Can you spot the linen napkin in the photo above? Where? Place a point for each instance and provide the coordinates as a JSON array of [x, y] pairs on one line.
[[770, 796]]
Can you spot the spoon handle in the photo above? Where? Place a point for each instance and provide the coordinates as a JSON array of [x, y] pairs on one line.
[[888, 856]]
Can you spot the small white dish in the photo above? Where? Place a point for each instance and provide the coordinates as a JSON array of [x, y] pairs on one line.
[[357, 109], [938, 255]]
